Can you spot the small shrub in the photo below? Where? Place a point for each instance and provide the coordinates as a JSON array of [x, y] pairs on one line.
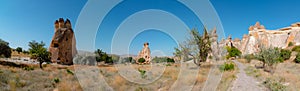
[[141, 60], [274, 85], [142, 73], [290, 44], [249, 57], [28, 68], [210, 57], [285, 54], [296, 48], [168, 64], [56, 80], [233, 52], [227, 67], [170, 60], [70, 72], [269, 56], [297, 59]]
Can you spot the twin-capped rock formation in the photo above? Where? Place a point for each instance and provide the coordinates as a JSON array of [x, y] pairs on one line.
[[259, 36], [144, 53], [63, 46]]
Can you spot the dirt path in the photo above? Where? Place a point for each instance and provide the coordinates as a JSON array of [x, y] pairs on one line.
[[245, 82]]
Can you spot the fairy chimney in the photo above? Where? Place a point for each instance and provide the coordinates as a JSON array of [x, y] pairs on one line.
[[144, 53], [63, 46]]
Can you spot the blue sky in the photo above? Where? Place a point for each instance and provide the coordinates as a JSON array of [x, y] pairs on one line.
[[24, 20]]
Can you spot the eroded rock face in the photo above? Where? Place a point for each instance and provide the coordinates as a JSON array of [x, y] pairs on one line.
[[144, 53], [63, 45], [258, 36], [214, 45]]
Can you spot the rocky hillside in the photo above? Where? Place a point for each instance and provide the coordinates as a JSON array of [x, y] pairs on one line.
[[260, 36]]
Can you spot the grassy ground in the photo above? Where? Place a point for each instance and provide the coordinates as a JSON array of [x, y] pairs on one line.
[[286, 76], [227, 79], [62, 78], [167, 79], [34, 79]]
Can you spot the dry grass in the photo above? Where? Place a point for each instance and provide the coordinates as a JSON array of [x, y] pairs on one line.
[[18, 79], [16, 54], [15, 78], [286, 73], [228, 78], [167, 79]]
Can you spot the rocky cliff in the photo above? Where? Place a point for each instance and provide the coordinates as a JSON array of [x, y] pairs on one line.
[[260, 36]]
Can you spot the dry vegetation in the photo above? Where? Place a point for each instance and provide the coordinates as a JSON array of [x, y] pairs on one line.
[[60, 78], [169, 76], [21, 54], [286, 76], [227, 79], [35, 79]]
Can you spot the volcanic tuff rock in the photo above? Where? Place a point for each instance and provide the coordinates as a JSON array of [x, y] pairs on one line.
[[144, 53], [260, 37], [63, 46]]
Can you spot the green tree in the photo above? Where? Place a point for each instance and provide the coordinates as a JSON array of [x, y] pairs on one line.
[[39, 52], [141, 60], [5, 50], [233, 52], [128, 59], [285, 54], [170, 60], [269, 57], [296, 48], [297, 59], [102, 56], [198, 46], [19, 49], [202, 42]]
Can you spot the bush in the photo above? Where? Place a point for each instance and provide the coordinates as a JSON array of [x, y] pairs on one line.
[[233, 52], [274, 85], [170, 60], [5, 50], [227, 67], [28, 68], [297, 59], [142, 73], [290, 44], [269, 56], [102, 56], [128, 59], [56, 80], [249, 57], [285, 54], [141, 60], [163, 59], [296, 48], [19, 49], [70, 72], [168, 64]]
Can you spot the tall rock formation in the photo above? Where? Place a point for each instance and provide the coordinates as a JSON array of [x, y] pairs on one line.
[[260, 37], [63, 44], [215, 45], [144, 53]]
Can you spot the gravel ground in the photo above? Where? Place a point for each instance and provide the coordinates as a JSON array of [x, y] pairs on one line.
[[245, 82]]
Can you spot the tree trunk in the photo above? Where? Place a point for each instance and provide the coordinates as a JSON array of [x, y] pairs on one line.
[[41, 66]]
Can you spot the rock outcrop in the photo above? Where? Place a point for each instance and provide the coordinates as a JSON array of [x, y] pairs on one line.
[[144, 53], [259, 36], [63, 45]]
